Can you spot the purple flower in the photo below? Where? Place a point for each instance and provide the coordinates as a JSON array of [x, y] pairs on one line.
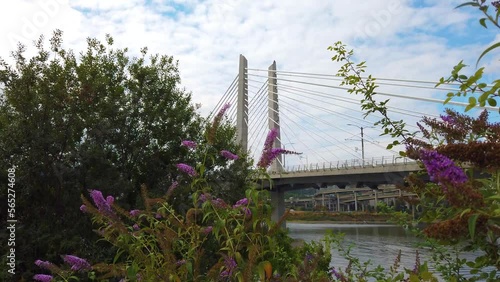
[[134, 213], [43, 277], [76, 263], [215, 124], [187, 169], [219, 203], [110, 200], [221, 113], [242, 202], [219, 117], [309, 257], [416, 268], [271, 136], [136, 227], [83, 208], [207, 230], [229, 265], [247, 211], [440, 167], [189, 144], [495, 4], [180, 262], [158, 216], [205, 197], [103, 205], [448, 119], [43, 264], [336, 273], [228, 155], [268, 156], [172, 187]]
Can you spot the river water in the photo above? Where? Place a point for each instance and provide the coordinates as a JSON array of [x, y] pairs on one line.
[[379, 243]]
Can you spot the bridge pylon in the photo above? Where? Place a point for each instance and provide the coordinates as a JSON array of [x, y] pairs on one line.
[[273, 114], [242, 105]]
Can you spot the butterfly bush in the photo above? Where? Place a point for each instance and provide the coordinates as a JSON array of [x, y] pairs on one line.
[[43, 278], [441, 168], [210, 240], [189, 144], [189, 170], [269, 154], [104, 205], [229, 267], [76, 263], [43, 264], [228, 155], [216, 122], [134, 213]]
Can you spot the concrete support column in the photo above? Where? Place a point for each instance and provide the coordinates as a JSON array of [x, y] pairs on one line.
[[278, 204], [376, 200], [338, 202], [242, 105], [355, 201]]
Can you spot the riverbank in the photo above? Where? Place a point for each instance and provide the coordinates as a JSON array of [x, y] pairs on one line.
[[337, 217]]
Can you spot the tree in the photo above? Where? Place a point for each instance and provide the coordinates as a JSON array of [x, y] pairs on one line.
[[458, 206], [98, 120]]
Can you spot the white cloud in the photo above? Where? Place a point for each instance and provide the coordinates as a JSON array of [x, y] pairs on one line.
[[397, 38]]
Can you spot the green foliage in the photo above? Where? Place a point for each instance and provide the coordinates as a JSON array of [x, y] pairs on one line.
[[487, 94], [211, 241], [492, 18], [100, 119], [351, 73], [382, 207], [462, 211]]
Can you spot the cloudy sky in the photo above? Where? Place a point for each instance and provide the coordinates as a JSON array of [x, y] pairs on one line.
[[399, 39]]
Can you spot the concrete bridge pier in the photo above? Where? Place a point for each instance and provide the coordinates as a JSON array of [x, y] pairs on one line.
[[278, 203]]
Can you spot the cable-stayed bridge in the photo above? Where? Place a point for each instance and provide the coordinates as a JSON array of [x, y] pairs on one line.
[[317, 117]]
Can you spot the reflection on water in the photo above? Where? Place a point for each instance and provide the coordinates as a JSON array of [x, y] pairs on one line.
[[376, 242]]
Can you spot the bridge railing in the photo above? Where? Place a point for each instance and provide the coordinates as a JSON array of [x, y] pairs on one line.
[[349, 164]]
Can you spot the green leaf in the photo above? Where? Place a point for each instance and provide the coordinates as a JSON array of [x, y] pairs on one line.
[[496, 45], [494, 197], [492, 102], [473, 4], [483, 22], [472, 225], [472, 103], [414, 278], [464, 212], [118, 254]]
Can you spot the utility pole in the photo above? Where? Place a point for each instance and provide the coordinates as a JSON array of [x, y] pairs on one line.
[[362, 141]]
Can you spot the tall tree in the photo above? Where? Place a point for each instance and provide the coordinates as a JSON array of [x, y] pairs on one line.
[[98, 120]]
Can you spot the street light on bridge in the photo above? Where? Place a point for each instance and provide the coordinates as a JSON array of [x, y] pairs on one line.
[[362, 140]]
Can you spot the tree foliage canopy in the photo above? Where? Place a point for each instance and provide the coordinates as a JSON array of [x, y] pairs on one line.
[[97, 120]]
